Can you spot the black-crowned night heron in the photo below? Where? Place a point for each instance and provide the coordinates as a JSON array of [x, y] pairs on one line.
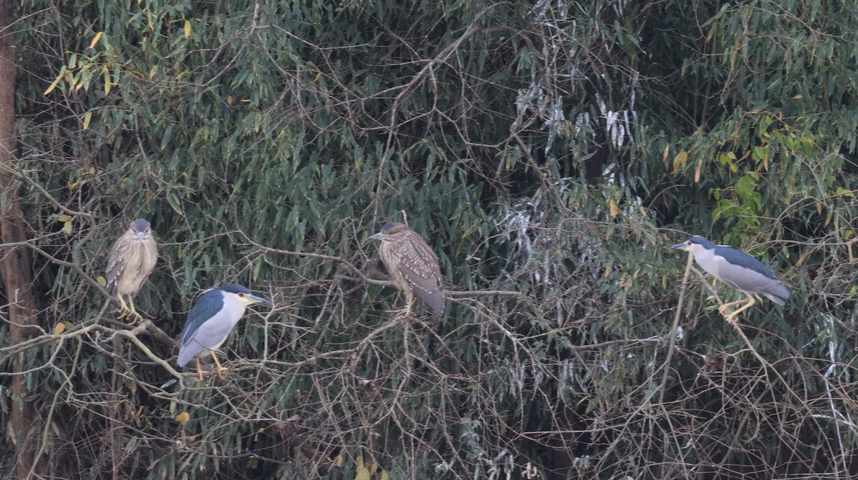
[[131, 261], [738, 270], [412, 265], [210, 321]]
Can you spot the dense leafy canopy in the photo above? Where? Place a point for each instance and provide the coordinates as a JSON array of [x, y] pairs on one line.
[[550, 152]]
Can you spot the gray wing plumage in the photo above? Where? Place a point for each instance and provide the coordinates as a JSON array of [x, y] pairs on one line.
[[737, 257], [777, 293], [195, 341], [743, 277], [203, 340], [187, 352], [420, 268]]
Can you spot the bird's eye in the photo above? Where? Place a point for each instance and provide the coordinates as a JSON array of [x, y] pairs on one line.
[[240, 294], [688, 243]]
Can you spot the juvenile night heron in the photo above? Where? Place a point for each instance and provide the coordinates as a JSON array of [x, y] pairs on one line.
[[131, 261], [210, 321], [738, 270], [412, 265]]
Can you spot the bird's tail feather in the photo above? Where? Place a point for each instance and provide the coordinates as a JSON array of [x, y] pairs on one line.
[[779, 294]]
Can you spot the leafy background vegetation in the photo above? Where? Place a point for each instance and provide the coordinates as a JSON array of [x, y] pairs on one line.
[[550, 152]]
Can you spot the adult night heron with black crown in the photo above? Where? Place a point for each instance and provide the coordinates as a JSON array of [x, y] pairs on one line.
[[412, 265], [738, 270], [210, 321]]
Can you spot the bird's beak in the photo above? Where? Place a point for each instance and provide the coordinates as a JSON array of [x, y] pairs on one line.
[[374, 236], [141, 235], [681, 246], [251, 299]]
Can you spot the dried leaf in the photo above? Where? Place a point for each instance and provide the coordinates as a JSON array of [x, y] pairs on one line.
[[136, 417], [95, 40], [183, 418], [54, 84], [679, 161], [362, 471], [614, 209]]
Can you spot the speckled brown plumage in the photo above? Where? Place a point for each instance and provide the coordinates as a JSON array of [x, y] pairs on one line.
[[131, 261], [412, 265]]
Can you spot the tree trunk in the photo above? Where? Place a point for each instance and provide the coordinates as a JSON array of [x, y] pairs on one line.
[[15, 262]]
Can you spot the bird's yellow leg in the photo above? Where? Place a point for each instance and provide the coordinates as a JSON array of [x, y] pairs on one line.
[[199, 369], [123, 308], [220, 369], [405, 312], [727, 306], [132, 314], [731, 318]]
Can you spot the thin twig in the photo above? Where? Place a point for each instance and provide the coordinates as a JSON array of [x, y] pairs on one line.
[[682, 289]]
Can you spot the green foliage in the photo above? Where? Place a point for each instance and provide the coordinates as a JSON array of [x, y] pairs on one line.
[[548, 152]]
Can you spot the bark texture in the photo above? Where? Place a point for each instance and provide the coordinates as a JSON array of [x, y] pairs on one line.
[[16, 268]]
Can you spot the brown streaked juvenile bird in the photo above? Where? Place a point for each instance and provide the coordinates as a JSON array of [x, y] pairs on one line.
[[412, 265], [131, 261]]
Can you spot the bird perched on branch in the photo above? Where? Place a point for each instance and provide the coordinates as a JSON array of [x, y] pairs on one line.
[[738, 270], [412, 265], [131, 261], [210, 321]]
